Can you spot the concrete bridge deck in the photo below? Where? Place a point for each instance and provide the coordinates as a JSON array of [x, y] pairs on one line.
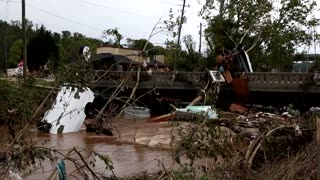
[[258, 81]]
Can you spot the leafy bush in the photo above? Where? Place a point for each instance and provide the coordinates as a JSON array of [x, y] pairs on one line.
[[19, 101]]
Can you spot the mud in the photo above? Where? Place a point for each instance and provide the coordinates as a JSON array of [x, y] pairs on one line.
[[136, 146]]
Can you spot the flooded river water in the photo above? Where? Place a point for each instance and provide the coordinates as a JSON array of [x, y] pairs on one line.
[[137, 146]]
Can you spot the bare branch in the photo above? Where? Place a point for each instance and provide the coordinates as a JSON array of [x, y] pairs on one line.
[[86, 164], [229, 37], [254, 43], [151, 49], [152, 32], [245, 34], [132, 92]]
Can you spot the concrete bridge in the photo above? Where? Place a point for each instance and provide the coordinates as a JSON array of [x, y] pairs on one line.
[[257, 81]]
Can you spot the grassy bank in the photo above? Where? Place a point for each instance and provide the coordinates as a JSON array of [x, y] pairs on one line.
[[19, 101]]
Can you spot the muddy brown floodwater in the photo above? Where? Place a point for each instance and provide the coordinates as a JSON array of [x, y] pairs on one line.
[[138, 146]]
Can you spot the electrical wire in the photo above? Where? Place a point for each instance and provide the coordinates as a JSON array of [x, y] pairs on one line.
[[60, 17], [120, 10]]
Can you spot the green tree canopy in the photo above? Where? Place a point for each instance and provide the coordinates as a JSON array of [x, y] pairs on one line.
[[115, 34], [69, 46], [269, 29], [41, 48], [15, 54]]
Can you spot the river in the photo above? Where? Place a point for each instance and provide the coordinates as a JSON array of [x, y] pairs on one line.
[[138, 146]]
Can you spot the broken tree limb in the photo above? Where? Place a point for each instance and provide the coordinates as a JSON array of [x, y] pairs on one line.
[[86, 164], [254, 43], [139, 68], [18, 136], [102, 76], [229, 37], [164, 117], [132, 92], [252, 24], [196, 100], [55, 170], [35, 114], [260, 144], [114, 94], [174, 107]]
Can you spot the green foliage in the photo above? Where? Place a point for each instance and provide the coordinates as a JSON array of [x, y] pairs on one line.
[[69, 46], [41, 48], [10, 32], [169, 53], [106, 160], [43, 45], [188, 60], [117, 37], [200, 139], [15, 54], [20, 100], [139, 44], [25, 155], [270, 34], [78, 74]]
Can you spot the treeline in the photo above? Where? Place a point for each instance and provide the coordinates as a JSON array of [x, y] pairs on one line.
[[42, 45], [269, 35], [61, 48]]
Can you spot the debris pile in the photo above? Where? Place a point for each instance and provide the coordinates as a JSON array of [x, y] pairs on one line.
[[270, 136], [253, 123]]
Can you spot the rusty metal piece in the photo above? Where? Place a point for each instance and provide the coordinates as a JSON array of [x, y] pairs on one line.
[[237, 108]]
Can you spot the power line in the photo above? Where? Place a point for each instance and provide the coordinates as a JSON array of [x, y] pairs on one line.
[[127, 12], [60, 17], [66, 19], [86, 2], [166, 2], [71, 20]]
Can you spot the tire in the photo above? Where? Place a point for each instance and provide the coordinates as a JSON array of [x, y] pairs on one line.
[[89, 110]]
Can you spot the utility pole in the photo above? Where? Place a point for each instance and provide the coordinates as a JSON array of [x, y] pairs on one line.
[[5, 56], [314, 42], [200, 32], [24, 39], [179, 35]]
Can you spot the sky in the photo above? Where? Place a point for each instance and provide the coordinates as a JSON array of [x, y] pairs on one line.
[[134, 18]]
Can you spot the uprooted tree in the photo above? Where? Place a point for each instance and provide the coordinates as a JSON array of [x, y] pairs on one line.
[[270, 30]]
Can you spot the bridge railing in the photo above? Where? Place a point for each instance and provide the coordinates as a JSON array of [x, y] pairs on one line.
[[258, 81], [157, 78], [277, 79]]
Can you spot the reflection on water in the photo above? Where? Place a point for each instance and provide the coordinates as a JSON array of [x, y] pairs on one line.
[[128, 159]]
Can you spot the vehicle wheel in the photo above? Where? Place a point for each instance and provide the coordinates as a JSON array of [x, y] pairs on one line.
[[89, 110]]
